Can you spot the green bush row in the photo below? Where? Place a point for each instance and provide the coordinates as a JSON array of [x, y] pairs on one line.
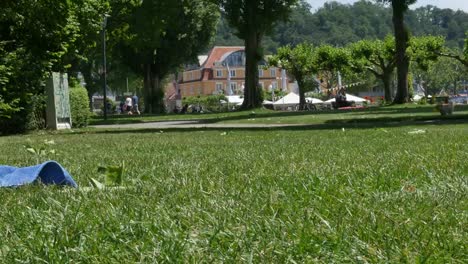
[[29, 113], [79, 104], [210, 103]]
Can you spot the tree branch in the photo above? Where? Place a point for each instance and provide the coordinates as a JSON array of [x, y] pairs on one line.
[[457, 57], [376, 73]]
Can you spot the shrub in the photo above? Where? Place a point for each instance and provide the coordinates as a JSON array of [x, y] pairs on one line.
[[211, 103], [36, 117], [79, 104], [29, 114], [8, 109], [423, 101]]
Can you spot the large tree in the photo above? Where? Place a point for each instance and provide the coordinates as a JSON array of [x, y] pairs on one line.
[[253, 19], [399, 8], [330, 63], [163, 35], [377, 57], [298, 62]]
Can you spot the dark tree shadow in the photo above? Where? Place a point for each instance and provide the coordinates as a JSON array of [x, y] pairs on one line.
[[329, 125]]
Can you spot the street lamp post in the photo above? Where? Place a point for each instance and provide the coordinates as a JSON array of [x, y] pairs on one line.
[[104, 72]]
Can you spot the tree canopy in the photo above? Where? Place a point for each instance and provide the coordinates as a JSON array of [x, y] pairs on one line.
[[341, 24], [378, 57], [159, 36], [299, 62], [252, 19], [35, 36]]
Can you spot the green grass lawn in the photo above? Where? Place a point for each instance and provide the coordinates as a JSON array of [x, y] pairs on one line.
[[399, 113], [274, 195]]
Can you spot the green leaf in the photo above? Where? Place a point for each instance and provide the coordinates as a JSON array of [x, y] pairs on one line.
[[96, 184], [112, 174], [31, 150]]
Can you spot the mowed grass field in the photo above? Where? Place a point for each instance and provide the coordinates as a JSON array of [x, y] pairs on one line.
[[399, 113], [382, 194]]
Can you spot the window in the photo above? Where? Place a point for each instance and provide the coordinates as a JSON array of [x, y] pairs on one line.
[[200, 90], [191, 90], [235, 59], [190, 76], [233, 73], [260, 72], [262, 85], [273, 72], [219, 73]]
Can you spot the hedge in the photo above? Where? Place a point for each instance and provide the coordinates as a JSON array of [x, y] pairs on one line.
[[79, 103]]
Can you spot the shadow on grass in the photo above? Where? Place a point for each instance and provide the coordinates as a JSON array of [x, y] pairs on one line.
[[212, 118], [397, 119], [364, 111], [329, 125], [203, 118], [410, 109]]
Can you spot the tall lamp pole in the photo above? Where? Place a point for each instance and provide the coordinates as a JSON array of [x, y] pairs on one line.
[[104, 68]]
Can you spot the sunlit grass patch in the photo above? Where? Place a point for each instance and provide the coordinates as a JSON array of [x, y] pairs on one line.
[[352, 195]]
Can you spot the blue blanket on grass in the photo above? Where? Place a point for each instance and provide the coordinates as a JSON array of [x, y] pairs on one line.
[[49, 172]]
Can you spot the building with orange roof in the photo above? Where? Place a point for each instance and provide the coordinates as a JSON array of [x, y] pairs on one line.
[[222, 71]]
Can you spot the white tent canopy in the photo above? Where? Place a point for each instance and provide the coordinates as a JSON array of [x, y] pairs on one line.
[[292, 100], [350, 98], [289, 99]]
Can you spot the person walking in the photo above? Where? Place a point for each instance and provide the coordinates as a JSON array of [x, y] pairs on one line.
[[135, 104], [128, 103]]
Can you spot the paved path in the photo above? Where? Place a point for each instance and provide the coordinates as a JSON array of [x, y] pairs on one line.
[[189, 124]]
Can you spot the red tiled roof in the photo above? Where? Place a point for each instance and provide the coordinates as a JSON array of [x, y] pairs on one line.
[[217, 53]]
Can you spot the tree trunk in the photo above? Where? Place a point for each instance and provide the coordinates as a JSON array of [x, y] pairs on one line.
[[302, 101], [387, 79], [153, 93], [401, 39], [252, 91], [158, 95]]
